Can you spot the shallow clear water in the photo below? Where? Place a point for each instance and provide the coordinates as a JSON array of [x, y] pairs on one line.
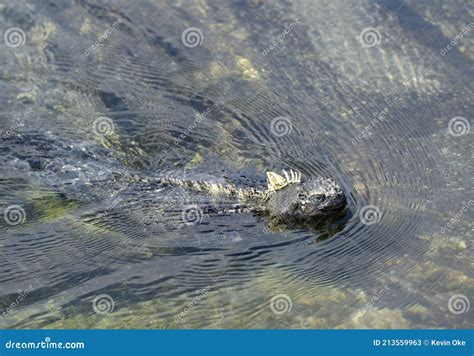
[[365, 92]]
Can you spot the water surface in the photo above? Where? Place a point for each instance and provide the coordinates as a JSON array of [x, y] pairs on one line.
[[366, 92]]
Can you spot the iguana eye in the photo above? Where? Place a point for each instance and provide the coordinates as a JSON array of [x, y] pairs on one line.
[[320, 197]]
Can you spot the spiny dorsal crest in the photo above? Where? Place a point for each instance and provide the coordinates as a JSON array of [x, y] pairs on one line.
[[277, 182]]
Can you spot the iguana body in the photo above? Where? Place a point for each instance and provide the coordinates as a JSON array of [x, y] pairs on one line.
[[286, 197], [69, 167]]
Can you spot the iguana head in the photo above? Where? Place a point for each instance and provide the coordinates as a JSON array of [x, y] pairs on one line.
[[291, 197]]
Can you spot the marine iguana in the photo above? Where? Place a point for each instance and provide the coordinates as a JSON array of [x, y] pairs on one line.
[[287, 197]]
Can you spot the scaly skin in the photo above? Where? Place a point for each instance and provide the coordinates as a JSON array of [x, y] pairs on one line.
[[285, 198]]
